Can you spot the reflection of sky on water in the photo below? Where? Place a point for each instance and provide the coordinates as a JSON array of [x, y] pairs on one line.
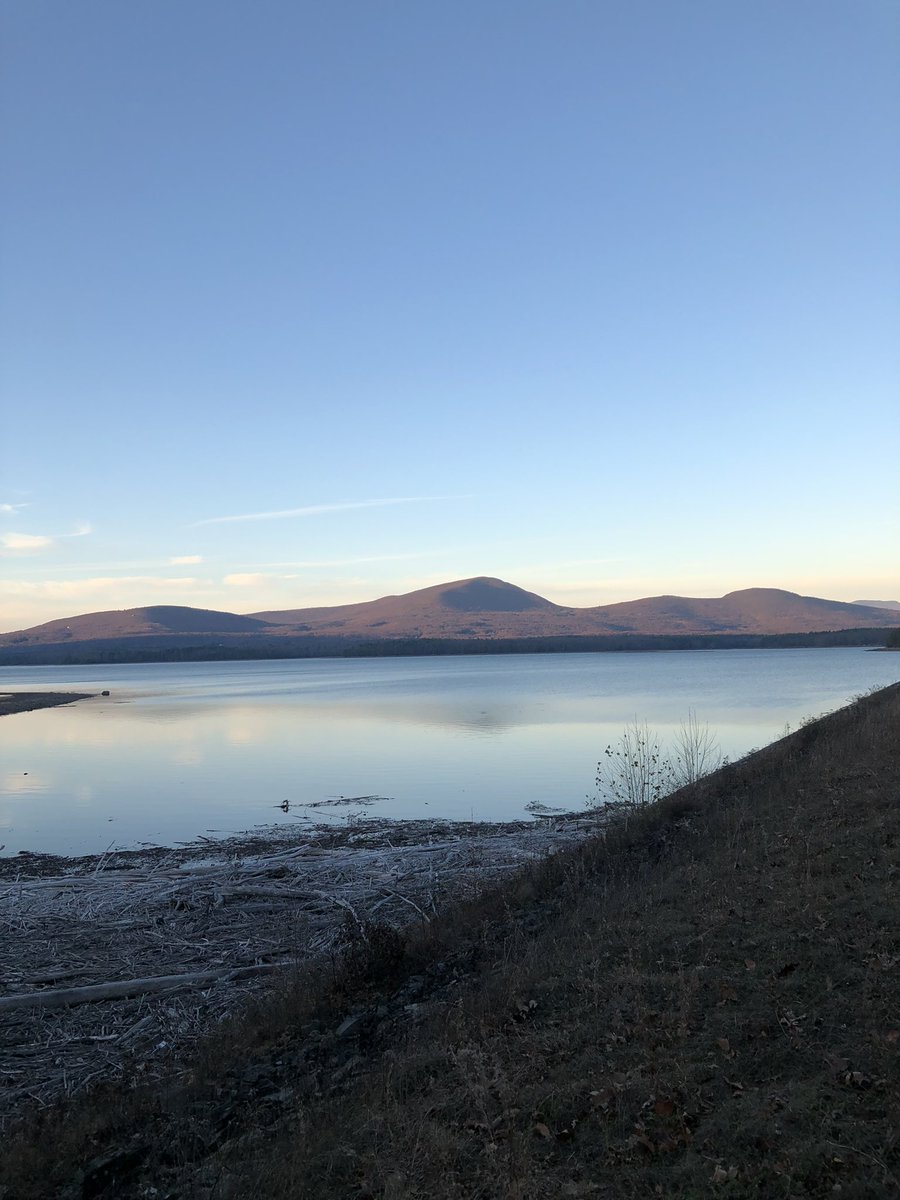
[[179, 750]]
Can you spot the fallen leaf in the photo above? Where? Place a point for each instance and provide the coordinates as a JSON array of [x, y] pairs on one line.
[[720, 1175], [724, 1045], [542, 1131], [857, 1079]]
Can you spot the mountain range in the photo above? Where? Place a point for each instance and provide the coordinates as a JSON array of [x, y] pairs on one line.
[[481, 608]]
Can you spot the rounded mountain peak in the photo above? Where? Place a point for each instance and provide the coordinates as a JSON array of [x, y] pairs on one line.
[[484, 594]]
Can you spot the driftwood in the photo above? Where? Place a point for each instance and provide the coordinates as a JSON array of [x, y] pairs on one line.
[[124, 988], [155, 947]]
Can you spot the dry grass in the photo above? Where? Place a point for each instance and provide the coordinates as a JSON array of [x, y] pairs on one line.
[[704, 1003]]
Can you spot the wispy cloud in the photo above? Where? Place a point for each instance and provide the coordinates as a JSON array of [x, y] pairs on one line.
[[315, 510], [122, 566], [244, 580], [317, 564], [12, 508], [88, 587], [185, 560], [13, 544], [24, 543]]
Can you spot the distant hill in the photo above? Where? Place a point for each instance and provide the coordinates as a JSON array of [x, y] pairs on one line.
[[895, 604], [486, 607], [482, 609], [751, 610], [154, 621]]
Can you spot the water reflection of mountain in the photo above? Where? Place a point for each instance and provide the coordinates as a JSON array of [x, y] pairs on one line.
[[178, 720], [279, 716], [255, 704]]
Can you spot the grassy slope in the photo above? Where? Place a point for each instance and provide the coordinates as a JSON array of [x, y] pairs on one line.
[[704, 1005]]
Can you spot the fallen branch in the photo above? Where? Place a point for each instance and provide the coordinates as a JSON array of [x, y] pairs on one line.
[[411, 903], [122, 989]]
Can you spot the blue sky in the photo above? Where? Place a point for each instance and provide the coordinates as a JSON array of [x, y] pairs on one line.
[[309, 303]]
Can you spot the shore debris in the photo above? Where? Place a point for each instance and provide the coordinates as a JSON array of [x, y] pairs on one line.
[[110, 964]]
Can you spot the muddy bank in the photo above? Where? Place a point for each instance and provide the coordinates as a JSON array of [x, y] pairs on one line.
[[16, 702]]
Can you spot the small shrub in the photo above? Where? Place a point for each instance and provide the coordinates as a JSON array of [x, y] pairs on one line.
[[369, 950], [635, 771]]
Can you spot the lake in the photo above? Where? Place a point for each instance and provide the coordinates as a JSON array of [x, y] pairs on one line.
[[178, 751]]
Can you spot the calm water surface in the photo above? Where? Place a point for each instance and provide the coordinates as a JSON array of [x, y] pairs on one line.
[[214, 748]]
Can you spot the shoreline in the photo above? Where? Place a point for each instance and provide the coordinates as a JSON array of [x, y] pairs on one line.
[[671, 1005], [113, 964], [19, 702], [267, 840]]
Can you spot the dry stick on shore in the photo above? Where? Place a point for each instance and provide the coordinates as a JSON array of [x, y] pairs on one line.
[[125, 988]]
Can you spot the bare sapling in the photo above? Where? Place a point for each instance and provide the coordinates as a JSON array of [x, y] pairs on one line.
[[637, 770], [634, 772], [696, 752]]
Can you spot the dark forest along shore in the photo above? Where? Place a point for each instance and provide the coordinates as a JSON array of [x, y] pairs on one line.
[[177, 752]]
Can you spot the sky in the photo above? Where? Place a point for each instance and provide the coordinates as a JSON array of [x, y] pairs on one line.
[[310, 303]]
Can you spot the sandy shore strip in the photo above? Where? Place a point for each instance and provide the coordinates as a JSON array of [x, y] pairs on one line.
[[109, 965], [17, 702]]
